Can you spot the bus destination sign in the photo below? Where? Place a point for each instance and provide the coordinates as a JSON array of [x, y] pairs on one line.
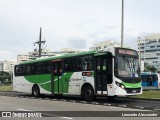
[[127, 52]]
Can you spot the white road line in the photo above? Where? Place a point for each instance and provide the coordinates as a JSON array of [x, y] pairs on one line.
[[57, 116], [67, 118], [22, 109]]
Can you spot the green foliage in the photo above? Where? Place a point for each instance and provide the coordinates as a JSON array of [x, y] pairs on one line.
[[149, 68], [150, 94], [5, 77]]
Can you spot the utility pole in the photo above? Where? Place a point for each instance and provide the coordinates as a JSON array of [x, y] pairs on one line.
[[40, 42], [122, 25], [139, 52]]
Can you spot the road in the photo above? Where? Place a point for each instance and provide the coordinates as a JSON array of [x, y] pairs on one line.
[[118, 102], [28, 104]]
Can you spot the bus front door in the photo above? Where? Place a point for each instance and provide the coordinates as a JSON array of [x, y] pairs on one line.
[[56, 74], [103, 73]]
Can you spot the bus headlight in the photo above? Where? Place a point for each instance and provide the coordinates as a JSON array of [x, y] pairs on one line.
[[120, 85]]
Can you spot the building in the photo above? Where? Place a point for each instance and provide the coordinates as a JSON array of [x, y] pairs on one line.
[[45, 53], [149, 48], [6, 65], [105, 44], [22, 57], [1, 66]]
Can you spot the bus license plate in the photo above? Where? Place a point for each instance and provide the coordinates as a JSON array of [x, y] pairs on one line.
[[134, 91]]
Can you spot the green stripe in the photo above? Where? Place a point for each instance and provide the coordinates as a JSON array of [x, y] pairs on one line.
[[131, 85], [45, 81]]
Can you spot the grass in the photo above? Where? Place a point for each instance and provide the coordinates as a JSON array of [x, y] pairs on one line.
[[149, 94], [5, 88]]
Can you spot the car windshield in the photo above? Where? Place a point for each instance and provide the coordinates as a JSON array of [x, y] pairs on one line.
[[126, 66]]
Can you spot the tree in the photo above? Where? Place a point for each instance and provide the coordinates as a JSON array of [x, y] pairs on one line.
[[149, 68], [5, 77]]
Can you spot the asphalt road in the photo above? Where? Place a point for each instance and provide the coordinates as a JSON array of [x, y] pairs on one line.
[[60, 108], [118, 102]]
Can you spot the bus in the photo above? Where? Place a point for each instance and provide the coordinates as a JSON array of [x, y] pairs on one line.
[[110, 72], [150, 80]]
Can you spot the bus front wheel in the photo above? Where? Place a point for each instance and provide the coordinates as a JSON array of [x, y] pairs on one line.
[[88, 93], [35, 91]]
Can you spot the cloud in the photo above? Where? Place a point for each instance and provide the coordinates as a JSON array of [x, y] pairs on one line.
[[6, 55], [77, 43], [76, 24]]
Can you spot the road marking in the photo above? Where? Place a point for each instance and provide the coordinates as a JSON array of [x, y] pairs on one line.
[[106, 104], [22, 109], [46, 98], [56, 116], [83, 102], [67, 118], [122, 106], [73, 101], [95, 103], [139, 107]]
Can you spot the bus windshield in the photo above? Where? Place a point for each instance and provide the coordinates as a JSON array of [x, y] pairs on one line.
[[126, 66]]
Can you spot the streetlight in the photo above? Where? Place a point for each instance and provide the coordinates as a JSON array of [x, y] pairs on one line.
[[139, 53], [122, 25]]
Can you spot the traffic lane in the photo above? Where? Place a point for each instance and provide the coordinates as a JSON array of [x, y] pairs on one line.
[[26, 104], [15, 103], [120, 102]]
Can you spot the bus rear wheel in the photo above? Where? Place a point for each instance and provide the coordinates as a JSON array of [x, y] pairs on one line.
[[35, 91], [87, 93]]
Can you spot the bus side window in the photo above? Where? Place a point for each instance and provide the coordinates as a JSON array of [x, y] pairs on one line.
[[24, 69], [84, 65], [61, 69], [89, 67], [89, 62], [104, 65], [45, 68], [18, 70], [109, 64], [79, 65], [37, 68], [32, 69], [66, 67], [55, 69], [48, 68], [98, 64], [86, 62]]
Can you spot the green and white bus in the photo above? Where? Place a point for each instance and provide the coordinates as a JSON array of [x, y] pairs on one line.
[[110, 72]]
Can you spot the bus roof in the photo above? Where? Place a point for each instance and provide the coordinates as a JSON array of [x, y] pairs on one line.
[[95, 52]]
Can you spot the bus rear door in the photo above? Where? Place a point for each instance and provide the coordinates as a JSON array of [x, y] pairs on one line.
[[57, 71]]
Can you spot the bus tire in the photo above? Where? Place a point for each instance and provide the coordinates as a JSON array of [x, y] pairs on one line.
[[35, 91], [88, 93]]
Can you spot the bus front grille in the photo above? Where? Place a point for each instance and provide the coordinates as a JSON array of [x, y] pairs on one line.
[[133, 90]]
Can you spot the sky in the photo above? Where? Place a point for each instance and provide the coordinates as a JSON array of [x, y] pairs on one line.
[[76, 24]]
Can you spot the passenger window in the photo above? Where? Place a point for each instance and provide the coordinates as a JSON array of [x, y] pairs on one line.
[[18, 70]]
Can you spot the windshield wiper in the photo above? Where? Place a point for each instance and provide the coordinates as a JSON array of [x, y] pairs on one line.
[[129, 64]]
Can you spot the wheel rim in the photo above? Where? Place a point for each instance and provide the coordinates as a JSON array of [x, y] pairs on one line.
[[35, 92], [88, 94]]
